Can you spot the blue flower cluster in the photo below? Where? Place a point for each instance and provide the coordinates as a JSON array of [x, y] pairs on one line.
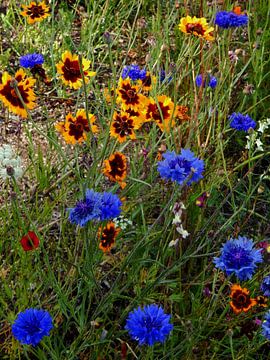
[[209, 80], [266, 326], [149, 325], [181, 168], [31, 326], [239, 257], [30, 60], [133, 72], [95, 206], [241, 122], [265, 286], [228, 19]]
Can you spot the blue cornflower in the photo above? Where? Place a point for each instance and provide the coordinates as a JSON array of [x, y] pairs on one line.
[[30, 60], [209, 80], [266, 325], [241, 122], [239, 257], [228, 19], [163, 76], [265, 286], [31, 326], [110, 206], [133, 72], [181, 168], [149, 325], [87, 209]]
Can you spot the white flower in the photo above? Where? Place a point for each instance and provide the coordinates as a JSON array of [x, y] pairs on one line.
[[259, 145], [9, 166], [182, 231]]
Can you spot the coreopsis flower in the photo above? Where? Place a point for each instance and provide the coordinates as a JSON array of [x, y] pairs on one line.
[[241, 300], [10, 165], [180, 113], [196, 26], [241, 122], [123, 126], [239, 257], [146, 84], [161, 111], [31, 326], [209, 80], [229, 19], [74, 129], [107, 236], [265, 286], [149, 325], [262, 301], [115, 168], [30, 241], [133, 72], [109, 94], [35, 11], [266, 326], [30, 60], [95, 206], [181, 168], [9, 96], [128, 95], [69, 69]]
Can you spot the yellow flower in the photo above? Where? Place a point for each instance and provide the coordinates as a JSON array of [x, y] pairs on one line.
[[197, 27], [74, 129], [9, 96], [107, 236], [147, 83], [35, 12], [69, 69], [123, 126], [129, 96], [115, 168], [161, 112]]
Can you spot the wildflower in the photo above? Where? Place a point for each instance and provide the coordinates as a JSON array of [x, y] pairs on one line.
[[181, 113], [177, 221], [146, 84], [10, 166], [265, 286], [161, 111], [115, 168], [69, 69], [129, 96], [149, 324], [181, 168], [35, 11], [241, 122], [9, 96], [121, 222], [109, 94], [196, 26], [30, 60], [31, 326], [201, 200], [209, 80], [123, 126], [107, 236], [30, 241], [95, 206], [266, 326], [239, 257], [110, 206], [261, 301], [228, 19], [74, 130], [163, 77], [241, 301], [86, 209], [133, 72]]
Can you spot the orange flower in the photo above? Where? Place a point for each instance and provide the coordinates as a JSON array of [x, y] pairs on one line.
[[69, 69], [181, 113], [262, 301], [74, 129], [241, 301], [115, 168], [107, 236], [147, 83], [109, 95], [161, 112], [237, 10], [123, 125], [129, 96], [35, 12], [9, 96], [196, 26]]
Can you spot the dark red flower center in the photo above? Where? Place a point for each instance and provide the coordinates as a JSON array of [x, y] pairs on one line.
[[77, 128], [192, 28], [9, 93], [154, 112], [117, 166], [108, 237], [71, 70], [123, 125], [129, 95], [36, 11]]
